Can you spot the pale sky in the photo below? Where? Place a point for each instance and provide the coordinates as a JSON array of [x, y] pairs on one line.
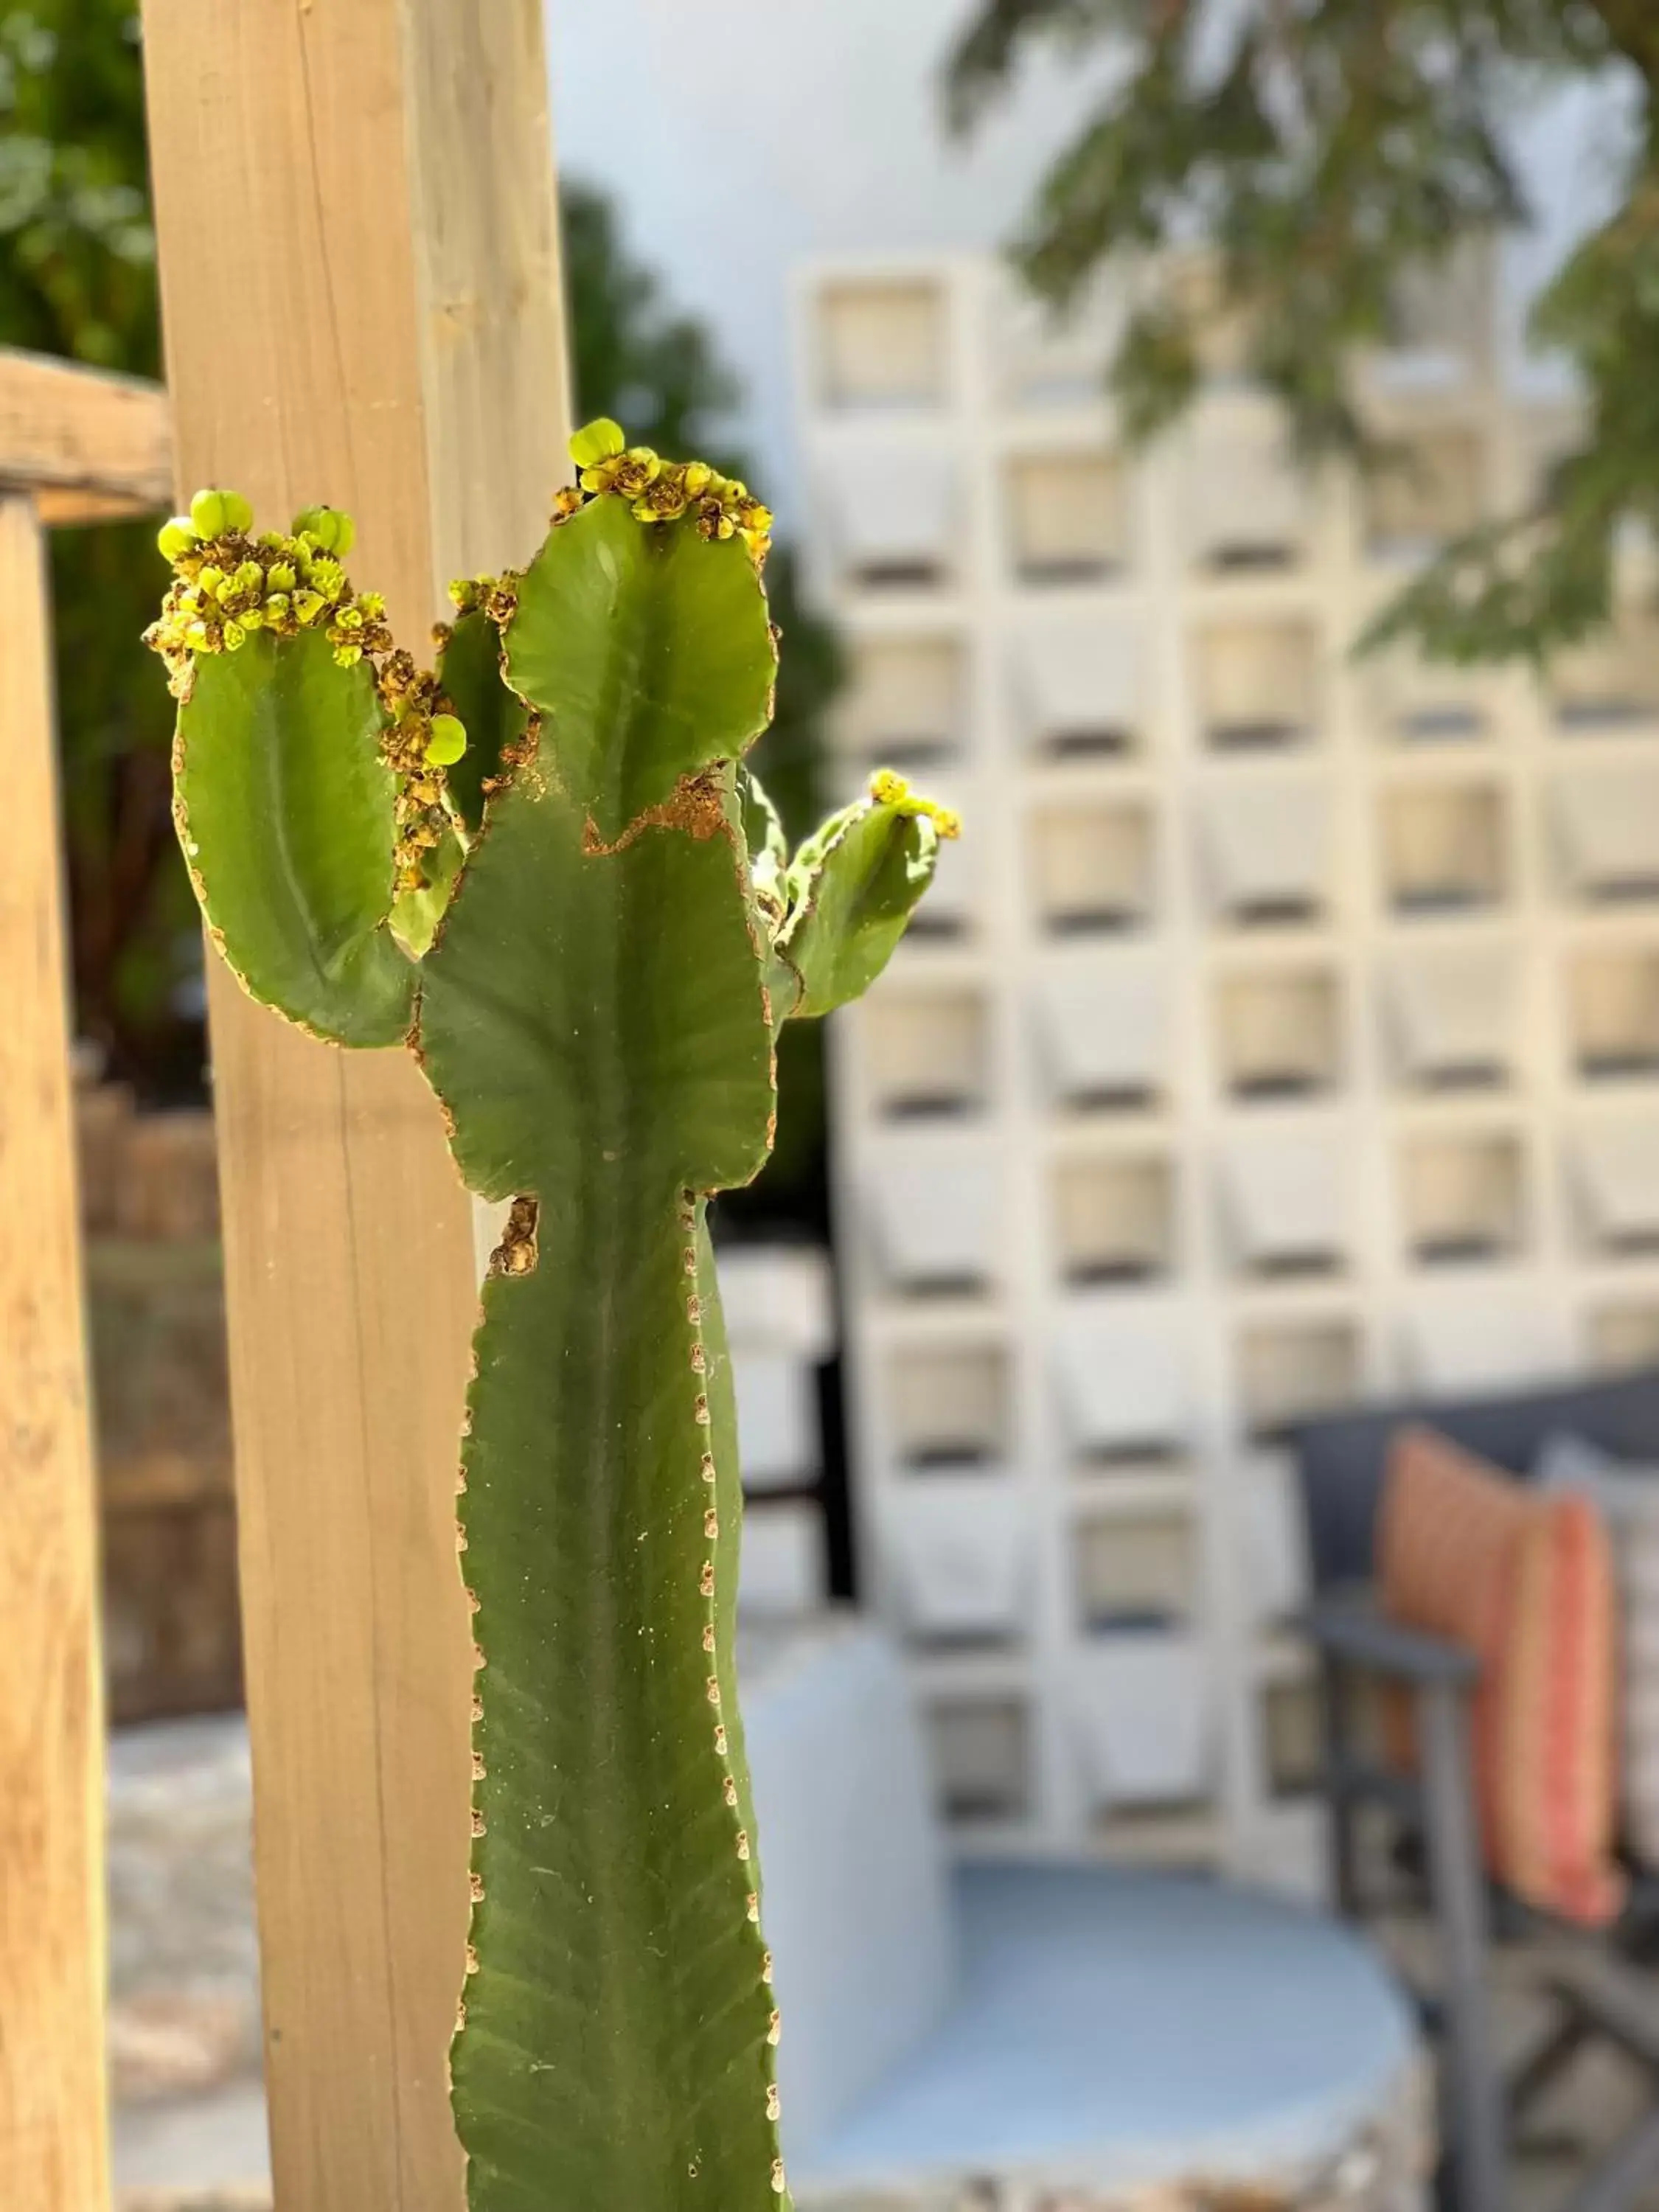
[[740, 136]]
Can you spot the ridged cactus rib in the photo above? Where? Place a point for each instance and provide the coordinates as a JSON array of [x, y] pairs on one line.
[[590, 927]]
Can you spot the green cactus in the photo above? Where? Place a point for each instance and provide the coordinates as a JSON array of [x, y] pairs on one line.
[[585, 927]]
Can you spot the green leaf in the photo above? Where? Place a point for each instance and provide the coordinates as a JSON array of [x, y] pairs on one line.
[[647, 649], [593, 1022], [284, 809], [470, 671], [854, 888]]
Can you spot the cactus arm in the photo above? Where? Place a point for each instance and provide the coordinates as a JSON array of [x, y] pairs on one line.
[[284, 807], [594, 1019], [469, 672], [603, 932], [638, 645], [851, 888]]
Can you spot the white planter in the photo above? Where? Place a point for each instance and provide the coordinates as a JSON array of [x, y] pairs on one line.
[[1266, 846], [1102, 1024], [936, 1204], [1608, 831], [891, 508], [782, 1575], [1245, 503], [1122, 1377], [1078, 681], [778, 1444], [956, 1556], [1142, 1714], [1618, 1174], [1483, 1338], [1288, 1198], [1453, 1014]]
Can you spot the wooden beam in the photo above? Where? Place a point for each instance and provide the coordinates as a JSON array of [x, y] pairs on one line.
[[383, 333], [93, 447], [52, 1740]]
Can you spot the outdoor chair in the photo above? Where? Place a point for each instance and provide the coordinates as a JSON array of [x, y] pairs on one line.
[[1599, 1984], [1049, 2038]]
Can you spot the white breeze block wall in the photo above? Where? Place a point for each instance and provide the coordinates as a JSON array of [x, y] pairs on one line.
[[1287, 1028], [780, 1320]]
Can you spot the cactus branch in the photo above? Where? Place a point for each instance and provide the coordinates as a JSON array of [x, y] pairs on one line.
[[545, 867]]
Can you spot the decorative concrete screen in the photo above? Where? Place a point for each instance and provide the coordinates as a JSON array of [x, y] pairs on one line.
[[1288, 1029]]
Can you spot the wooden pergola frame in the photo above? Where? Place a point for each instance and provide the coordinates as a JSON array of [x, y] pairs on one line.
[[75, 447], [364, 306]]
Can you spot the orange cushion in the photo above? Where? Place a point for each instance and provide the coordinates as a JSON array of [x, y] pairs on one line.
[[1523, 1578]]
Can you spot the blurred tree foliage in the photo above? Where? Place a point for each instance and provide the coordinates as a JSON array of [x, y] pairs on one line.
[[77, 277], [1327, 149]]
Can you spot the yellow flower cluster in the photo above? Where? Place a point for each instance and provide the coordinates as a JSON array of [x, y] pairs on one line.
[[662, 491], [889, 789], [422, 737], [227, 583]]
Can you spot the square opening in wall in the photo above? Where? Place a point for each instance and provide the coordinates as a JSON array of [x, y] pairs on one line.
[[948, 1406], [1434, 490], [904, 703], [882, 344], [1621, 1334], [1246, 500], [1066, 522], [1113, 1218], [1611, 682], [956, 1557], [1266, 849], [1136, 1570], [1052, 357], [1275, 1545], [1439, 321], [1451, 1017], [1607, 831], [783, 1575], [926, 1053], [1287, 1201], [1409, 701], [1485, 1339], [1125, 1387], [1292, 1740], [1092, 867], [1289, 1370], [936, 1204], [1463, 1198], [1279, 1032], [1614, 1013], [1442, 847], [1077, 686], [1257, 683], [891, 511], [1103, 1031], [779, 1443], [1617, 1179], [981, 1757], [949, 914], [1143, 1707]]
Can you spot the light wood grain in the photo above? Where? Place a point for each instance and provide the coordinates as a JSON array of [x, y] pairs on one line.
[[93, 447], [386, 335], [51, 1743]]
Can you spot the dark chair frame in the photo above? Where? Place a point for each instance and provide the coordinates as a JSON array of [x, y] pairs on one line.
[[1603, 1989]]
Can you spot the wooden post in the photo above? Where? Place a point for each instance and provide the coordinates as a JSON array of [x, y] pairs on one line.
[[53, 1966], [360, 293]]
